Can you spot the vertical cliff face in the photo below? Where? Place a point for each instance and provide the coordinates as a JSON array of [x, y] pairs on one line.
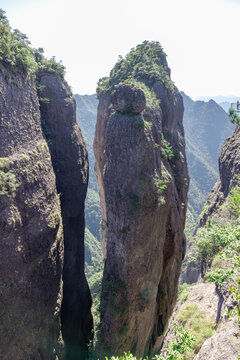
[[31, 237], [69, 159], [143, 179]]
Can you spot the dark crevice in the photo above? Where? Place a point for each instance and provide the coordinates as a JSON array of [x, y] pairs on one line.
[[71, 181]]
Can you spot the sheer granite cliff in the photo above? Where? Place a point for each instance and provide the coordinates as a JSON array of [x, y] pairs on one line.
[[31, 236], [69, 159], [142, 174]]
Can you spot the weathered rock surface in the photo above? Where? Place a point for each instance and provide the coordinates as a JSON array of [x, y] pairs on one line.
[[128, 99], [224, 345], [31, 237], [229, 170], [69, 158], [142, 221]]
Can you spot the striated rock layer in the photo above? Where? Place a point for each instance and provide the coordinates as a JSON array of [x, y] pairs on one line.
[[143, 193], [69, 159], [31, 236]]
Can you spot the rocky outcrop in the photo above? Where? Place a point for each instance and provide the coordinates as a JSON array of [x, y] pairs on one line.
[[143, 191], [223, 345], [31, 236], [229, 170], [197, 309], [127, 99], [69, 159]]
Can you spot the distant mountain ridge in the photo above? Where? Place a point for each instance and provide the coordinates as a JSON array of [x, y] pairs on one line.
[[219, 98], [223, 101], [206, 128]]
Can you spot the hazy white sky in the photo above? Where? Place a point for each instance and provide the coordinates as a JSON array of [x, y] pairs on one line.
[[200, 37]]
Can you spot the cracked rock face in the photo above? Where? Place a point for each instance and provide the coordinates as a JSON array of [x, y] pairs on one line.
[[31, 235], [143, 196]]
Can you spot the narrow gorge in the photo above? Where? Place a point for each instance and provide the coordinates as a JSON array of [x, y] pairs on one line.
[[44, 297]]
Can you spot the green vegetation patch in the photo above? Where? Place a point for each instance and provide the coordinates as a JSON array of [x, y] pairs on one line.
[[167, 151], [93, 254], [145, 63], [218, 247], [24, 158], [93, 212], [95, 284], [197, 323], [226, 270], [45, 66], [220, 230], [8, 184], [5, 163], [161, 185], [210, 240], [183, 292], [14, 48], [232, 203]]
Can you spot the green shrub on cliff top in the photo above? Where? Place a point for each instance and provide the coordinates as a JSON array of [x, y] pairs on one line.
[[17, 55], [146, 63], [45, 66], [14, 47]]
